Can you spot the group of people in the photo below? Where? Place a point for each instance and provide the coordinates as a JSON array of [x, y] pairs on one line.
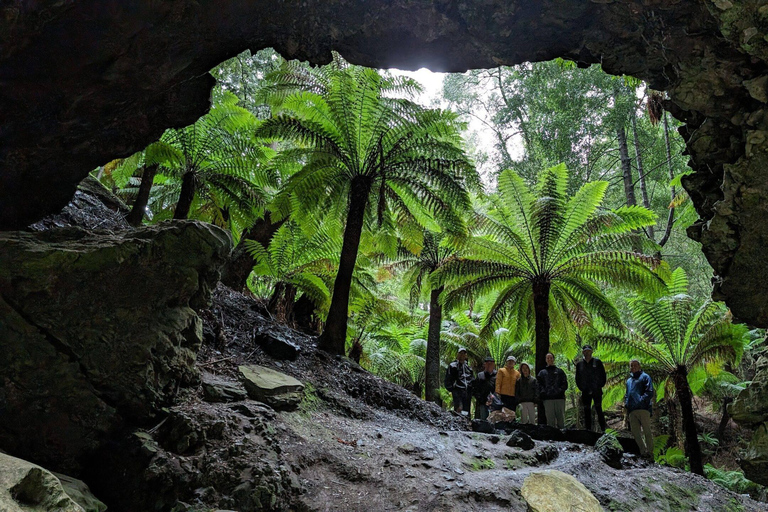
[[506, 389]]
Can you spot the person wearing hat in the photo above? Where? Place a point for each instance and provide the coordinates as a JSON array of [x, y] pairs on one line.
[[482, 386], [458, 379], [506, 380], [590, 379]]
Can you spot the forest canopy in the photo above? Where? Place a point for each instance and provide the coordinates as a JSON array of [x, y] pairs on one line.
[[359, 216]]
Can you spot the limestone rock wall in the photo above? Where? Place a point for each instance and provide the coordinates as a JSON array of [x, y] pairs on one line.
[[98, 330], [84, 82]]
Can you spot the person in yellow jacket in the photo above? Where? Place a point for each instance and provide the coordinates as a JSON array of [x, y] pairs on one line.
[[506, 378]]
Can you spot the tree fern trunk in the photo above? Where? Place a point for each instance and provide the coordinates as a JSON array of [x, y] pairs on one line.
[[641, 173], [693, 449], [140, 205], [432, 374], [274, 300], [186, 196], [541, 308], [335, 333], [724, 419]]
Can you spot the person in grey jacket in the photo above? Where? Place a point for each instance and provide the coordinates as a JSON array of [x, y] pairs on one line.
[[527, 394]]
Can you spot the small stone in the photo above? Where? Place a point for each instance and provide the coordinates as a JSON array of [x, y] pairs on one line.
[[215, 390]]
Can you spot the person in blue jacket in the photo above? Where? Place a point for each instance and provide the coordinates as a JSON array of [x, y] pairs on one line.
[[639, 403]]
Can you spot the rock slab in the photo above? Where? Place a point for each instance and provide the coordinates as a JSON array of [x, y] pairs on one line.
[[274, 388], [98, 330], [518, 439], [26, 487], [555, 491]]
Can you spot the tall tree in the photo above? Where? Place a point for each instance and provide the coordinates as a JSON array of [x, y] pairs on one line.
[[542, 252], [676, 337], [419, 267], [379, 155]]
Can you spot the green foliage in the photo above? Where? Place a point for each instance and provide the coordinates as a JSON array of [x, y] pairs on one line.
[[732, 480], [529, 237], [673, 456], [480, 464]]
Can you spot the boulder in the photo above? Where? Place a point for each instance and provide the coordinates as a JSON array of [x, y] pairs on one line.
[[581, 436], [26, 487], [538, 432], [520, 439], [276, 344], [483, 426], [754, 460], [99, 331], [750, 408], [276, 389], [610, 450], [555, 491], [217, 390]]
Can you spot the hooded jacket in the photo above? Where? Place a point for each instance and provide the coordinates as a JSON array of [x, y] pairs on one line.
[[527, 389]]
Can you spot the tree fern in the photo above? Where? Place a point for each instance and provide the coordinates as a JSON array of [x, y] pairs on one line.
[[541, 252], [363, 145]]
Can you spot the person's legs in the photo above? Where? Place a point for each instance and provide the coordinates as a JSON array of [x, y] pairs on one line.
[[560, 412], [481, 410], [466, 401], [529, 412], [645, 423], [458, 399], [549, 411], [598, 398], [634, 426], [586, 409], [508, 401]]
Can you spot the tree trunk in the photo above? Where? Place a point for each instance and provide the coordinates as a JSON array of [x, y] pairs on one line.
[[274, 300], [140, 205], [693, 449], [432, 373], [304, 314], [335, 333], [675, 424], [541, 308], [236, 271], [724, 419], [626, 167], [186, 196], [671, 216], [641, 173]]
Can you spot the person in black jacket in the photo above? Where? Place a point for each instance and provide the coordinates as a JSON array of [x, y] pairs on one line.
[[482, 386], [590, 379], [552, 386], [458, 378]]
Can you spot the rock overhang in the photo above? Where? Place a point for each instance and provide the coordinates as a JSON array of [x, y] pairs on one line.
[[84, 82]]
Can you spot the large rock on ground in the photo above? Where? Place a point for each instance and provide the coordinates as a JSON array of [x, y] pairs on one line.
[[97, 329], [26, 487], [555, 491], [276, 389], [750, 409]]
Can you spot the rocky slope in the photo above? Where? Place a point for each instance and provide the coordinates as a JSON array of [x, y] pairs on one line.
[[354, 443]]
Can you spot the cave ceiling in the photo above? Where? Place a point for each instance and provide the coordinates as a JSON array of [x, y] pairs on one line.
[[86, 81]]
